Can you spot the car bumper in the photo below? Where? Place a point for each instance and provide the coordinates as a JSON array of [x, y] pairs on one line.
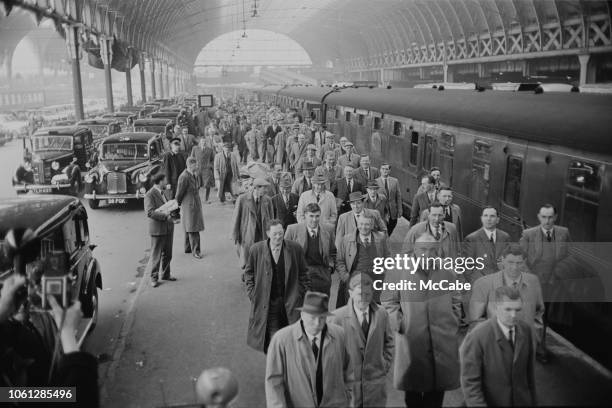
[[41, 188], [96, 196]]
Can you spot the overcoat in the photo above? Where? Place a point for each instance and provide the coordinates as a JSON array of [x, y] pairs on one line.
[[188, 197], [220, 170], [327, 203], [258, 281], [456, 217], [291, 370], [280, 141], [371, 357], [394, 196], [426, 324], [245, 218], [348, 225], [205, 158]]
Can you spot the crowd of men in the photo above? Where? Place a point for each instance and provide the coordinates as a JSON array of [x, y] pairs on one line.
[[324, 209]]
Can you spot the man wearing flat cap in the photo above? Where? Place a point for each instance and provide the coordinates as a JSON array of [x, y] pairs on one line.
[[276, 280], [371, 345], [349, 158], [285, 203], [376, 201], [308, 362], [309, 158], [252, 212], [173, 165], [303, 182], [344, 186], [324, 199], [226, 171], [330, 145]]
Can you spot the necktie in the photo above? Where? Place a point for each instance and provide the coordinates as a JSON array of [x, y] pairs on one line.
[[491, 239], [387, 188], [366, 242], [315, 348], [437, 236], [511, 336], [318, 197], [365, 325], [286, 200], [313, 234], [350, 186], [548, 236], [367, 173], [515, 285]]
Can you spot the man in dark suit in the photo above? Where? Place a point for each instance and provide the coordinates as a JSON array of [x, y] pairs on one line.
[[497, 357], [423, 200], [391, 190], [276, 281], [285, 203], [343, 188], [271, 133], [452, 212], [173, 165], [161, 229], [238, 136], [487, 243], [546, 245], [366, 173]]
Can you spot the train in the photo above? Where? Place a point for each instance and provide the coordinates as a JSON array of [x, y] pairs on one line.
[[513, 150]]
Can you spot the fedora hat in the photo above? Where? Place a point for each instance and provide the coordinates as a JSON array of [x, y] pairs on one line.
[[318, 179], [372, 185], [355, 196], [315, 303], [308, 165], [311, 147]]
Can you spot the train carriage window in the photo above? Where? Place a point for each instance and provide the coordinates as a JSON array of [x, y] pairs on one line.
[[580, 216], [428, 154], [397, 128], [347, 116], [585, 176], [414, 147], [512, 186], [480, 177], [337, 113], [447, 151], [377, 123], [361, 120]]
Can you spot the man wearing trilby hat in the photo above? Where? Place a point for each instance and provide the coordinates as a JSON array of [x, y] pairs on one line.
[[308, 362]]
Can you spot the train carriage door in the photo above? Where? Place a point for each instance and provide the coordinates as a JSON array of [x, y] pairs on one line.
[[445, 160], [429, 151], [362, 132], [511, 217]]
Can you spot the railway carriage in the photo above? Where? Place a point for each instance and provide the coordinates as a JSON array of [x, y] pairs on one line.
[[514, 151]]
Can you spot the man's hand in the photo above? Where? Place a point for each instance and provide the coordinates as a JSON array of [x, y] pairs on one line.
[[68, 320]]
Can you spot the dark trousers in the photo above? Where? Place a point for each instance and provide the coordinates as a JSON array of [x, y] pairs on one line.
[[391, 225], [430, 399], [226, 187], [320, 278], [161, 255], [277, 319], [192, 242], [343, 294]]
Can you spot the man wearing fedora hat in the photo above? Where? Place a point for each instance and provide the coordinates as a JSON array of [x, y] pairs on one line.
[[371, 343], [309, 158], [343, 187], [303, 182], [173, 165], [285, 203], [317, 241], [347, 222], [324, 199], [308, 363], [375, 201], [252, 212], [357, 250], [226, 171]]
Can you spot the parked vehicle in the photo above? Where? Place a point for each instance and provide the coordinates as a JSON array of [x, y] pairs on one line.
[[126, 162], [47, 239], [127, 118], [101, 127], [59, 156]]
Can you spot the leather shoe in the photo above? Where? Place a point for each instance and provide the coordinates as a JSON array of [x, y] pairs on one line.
[[197, 256], [188, 251], [170, 278], [154, 284]]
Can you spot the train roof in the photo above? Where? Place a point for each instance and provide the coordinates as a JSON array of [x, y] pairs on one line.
[[309, 93], [569, 119]]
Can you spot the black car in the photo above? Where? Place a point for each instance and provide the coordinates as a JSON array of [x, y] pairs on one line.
[[47, 239], [102, 127], [126, 162], [163, 126], [126, 118], [59, 156]]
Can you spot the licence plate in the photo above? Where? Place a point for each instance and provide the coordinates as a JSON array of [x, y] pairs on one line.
[[41, 190], [116, 201]]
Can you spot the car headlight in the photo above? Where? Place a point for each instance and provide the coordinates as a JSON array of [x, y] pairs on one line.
[[87, 165], [55, 165], [57, 179], [89, 178], [142, 178]]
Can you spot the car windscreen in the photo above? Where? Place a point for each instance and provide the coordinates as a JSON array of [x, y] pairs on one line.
[[124, 151], [154, 129], [98, 130], [52, 143]]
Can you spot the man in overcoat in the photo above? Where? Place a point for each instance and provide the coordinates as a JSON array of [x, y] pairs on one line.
[[426, 323], [391, 189], [188, 198], [276, 281], [205, 157], [226, 171], [370, 342], [252, 212], [285, 203], [443, 231], [308, 363], [324, 199], [173, 165]]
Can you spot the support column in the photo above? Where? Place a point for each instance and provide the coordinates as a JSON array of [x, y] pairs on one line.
[[161, 79], [74, 52], [106, 52], [167, 79], [445, 73], [143, 85], [584, 68], [152, 64], [128, 86]]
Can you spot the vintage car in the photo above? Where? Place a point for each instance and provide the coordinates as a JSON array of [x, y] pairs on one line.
[[59, 157], [156, 125], [138, 110], [101, 127], [126, 162], [172, 115], [46, 238], [126, 118]]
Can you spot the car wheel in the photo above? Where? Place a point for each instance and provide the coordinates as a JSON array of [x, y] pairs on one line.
[[90, 305], [94, 204]]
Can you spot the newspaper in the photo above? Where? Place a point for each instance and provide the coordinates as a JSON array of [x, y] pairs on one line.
[[169, 207]]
